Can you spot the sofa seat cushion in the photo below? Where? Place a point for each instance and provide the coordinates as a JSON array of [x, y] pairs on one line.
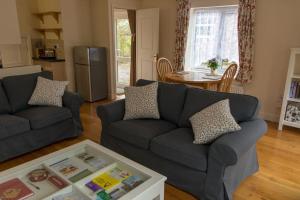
[[178, 147], [139, 132], [43, 116], [11, 125]]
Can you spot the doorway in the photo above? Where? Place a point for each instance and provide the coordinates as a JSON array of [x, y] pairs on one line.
[[123, 45]]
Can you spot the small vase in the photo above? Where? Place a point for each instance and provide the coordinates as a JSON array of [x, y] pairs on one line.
[[213, 72]]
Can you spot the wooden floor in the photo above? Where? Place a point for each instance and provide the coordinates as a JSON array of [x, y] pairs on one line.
[[278, 152]]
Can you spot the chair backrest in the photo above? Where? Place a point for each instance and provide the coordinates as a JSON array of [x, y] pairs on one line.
[[227, 78], [163, 67]]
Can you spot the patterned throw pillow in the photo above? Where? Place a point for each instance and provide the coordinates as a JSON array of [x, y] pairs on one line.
[[48, 92], [141, 102], [212, 122]]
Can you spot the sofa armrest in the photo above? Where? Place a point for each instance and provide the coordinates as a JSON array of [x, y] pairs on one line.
[[230, 147], [111, 112], [228, 150], [73, 102]]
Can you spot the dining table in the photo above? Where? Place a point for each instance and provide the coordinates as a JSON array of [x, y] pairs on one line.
[[203, 79]]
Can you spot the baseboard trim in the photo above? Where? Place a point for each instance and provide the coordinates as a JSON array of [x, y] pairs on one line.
[[269, 117]]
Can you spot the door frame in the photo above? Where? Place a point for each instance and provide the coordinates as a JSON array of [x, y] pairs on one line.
[[112, 43], [118, 85]]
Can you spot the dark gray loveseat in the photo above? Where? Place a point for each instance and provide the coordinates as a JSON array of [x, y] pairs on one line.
[[24, 128], [211, 171]]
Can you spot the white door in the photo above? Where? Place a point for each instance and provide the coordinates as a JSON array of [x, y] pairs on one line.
[[147, 22]]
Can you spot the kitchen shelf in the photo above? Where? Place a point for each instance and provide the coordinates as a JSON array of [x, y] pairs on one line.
[[57, 31], [41, 15]]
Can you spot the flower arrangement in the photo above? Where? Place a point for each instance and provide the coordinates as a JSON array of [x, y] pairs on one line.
[[213, 64]]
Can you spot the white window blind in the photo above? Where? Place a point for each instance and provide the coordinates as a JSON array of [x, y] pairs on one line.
[[212, 34]]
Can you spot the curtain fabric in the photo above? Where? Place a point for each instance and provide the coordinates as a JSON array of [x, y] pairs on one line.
[[132, 24], [182, 23], [246, 23]]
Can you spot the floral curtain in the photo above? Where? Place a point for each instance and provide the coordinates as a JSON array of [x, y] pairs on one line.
[[246, 22], [182, 23]]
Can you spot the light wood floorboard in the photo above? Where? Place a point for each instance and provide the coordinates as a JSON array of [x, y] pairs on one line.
[[278, 153]]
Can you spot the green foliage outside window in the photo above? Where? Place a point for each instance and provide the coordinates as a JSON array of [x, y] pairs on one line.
[[123, 38]]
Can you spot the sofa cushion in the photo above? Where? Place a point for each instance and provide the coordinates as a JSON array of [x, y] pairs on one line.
[[141, 102], [4, 105], [212, 122], [139, 132], [43, 116], [170, 99], [243, 107], [20, 88], [48, 92], [11, 125], [178, 147]]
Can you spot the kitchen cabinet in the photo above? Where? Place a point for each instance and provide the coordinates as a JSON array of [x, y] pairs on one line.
[[9, 23], [56, 67]]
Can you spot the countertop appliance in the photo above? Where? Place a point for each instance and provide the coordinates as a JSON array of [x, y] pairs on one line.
[[91, 72]]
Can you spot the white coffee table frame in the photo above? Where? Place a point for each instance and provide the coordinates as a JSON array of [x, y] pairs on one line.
[[152, 188]]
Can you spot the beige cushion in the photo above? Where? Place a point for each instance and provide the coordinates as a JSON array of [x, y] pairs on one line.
[[48, 92], [141, 102], [212, 122]]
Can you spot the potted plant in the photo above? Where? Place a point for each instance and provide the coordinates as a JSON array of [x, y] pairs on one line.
[[213, 64]]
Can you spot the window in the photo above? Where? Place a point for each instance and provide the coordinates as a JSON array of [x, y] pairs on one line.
[[212, 34]]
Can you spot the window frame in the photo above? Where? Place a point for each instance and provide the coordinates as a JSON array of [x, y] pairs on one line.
[[228, 9]]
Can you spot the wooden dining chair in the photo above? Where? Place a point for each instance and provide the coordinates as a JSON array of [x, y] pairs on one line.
[[227, 78], [163, 67]]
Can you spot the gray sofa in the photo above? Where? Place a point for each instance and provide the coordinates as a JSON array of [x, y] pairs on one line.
[[24, 128], [211, 171]]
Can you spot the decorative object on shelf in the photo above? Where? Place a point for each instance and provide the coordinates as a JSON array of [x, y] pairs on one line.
[[14, 189], [213, 64], [292, 113], [290, 109], [295, 89], [38, 175]]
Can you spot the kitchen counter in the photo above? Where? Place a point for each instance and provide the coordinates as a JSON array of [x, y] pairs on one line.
[[56, 66], [49, 59]]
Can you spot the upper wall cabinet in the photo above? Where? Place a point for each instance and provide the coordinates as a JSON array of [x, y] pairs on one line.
[[9, 25]]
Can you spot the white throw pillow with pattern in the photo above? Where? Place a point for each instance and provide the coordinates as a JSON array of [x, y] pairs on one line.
[[141, 102], [48, 92], [212, 122]]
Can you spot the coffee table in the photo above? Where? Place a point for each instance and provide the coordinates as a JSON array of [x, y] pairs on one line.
[[91, 161]]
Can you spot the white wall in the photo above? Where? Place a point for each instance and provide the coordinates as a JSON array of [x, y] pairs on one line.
[[277, 30], [27, 22], [10, 31], [76, 20]]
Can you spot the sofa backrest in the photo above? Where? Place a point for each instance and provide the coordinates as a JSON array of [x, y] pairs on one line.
[[170, 99], [4, 104], [243, 107], [20, 88]]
